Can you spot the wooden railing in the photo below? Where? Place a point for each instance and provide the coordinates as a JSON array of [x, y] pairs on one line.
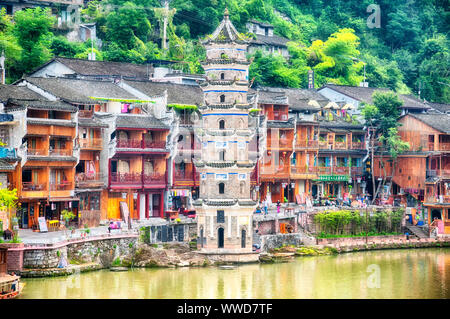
[[444, 173], [36, 152], [358, 145], [181, 176], [307, 144], [91, 143], [437, 199], [137, 178], [86, 180], [444, 147], [60, 152], [126, 178], [30, 186], [140, 144], [340, 145], [85, 113], [280, 116], [323, 145], [155, 144], [62, 186], [154, 178], [303, 169]]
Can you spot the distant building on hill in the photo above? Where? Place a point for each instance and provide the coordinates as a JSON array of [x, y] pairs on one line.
[[266, 40]]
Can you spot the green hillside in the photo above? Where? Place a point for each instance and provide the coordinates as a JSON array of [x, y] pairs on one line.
[[408, 51]]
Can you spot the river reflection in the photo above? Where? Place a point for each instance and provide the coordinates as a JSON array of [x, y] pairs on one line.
[[415, 273]]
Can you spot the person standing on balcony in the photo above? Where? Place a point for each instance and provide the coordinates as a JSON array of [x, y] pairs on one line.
[[278, 206]]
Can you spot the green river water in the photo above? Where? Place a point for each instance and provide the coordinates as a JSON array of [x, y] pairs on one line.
[[409, 273]]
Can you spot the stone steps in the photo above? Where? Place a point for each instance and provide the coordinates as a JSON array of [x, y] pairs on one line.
[[417, 231]]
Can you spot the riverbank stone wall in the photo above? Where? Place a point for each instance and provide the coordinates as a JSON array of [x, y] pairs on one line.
[[269, 242], [83, 252]]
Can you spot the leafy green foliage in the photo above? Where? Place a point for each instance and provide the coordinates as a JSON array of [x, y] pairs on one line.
[[345, 223], [409, 50]]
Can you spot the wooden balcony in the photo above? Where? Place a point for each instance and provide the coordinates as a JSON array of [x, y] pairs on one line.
[[279, 116], [340, 170], [444, 147], [442, 173], [154, 180], [61, 152], [137, 180], [307, 144], [304, 172], [183, 176], [37, 152], [85, 113], [30, 186], [61, 186], [274, 172], [324, 170], [340, 145], [140, 144], [434, 199], [91, 143], [154, 144], [83, 180], [126, 178], [358, 145], [284, 144], [323, 145]]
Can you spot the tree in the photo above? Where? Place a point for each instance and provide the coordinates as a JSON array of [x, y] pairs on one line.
[[382, 117], [8, 41], [32, 29]]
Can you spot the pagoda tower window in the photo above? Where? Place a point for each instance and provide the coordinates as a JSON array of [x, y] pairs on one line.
[[222, 124], [221, 188], [222, 76], [222, 98], [221, 155]]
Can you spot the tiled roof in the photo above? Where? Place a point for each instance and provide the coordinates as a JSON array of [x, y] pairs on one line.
[[298, 99], [225, 32], [5, 166], [43, 105], [364, 94], [80, 91], [176, 93], [105, 68], [86, 122], [440, 122], [441, 107], [271, 96], [17, 92], [270, 40], [139, 121]]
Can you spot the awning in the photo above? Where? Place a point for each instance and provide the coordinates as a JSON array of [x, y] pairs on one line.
[[181, 192], [63, 199]]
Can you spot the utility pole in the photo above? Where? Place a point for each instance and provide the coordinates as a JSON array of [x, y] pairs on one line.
[[166, 13], [2, 66]]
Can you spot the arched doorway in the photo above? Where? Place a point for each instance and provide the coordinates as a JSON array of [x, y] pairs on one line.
[[220, 237]]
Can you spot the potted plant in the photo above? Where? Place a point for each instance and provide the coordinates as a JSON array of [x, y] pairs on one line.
[[67, 216]]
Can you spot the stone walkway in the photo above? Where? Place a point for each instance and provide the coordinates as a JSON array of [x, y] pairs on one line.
[[28, 237]]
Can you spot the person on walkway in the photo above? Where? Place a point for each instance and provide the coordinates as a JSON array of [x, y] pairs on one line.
[[266, 206], [278, 206]]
